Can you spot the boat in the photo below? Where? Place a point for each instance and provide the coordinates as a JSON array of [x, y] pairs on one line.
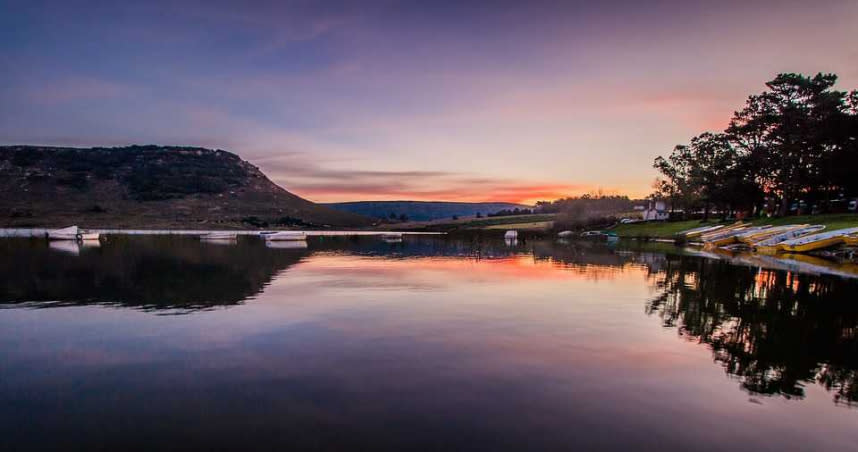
[[392, 237], [285, 236], [89, 236], [851, 239], [219, 235], [565, 234], [591, 234], [729, 236], [770, 243], [751, 237], [510, 235], [69, 233], [699, 231], [718, 232], [814, 242], [286, 244]]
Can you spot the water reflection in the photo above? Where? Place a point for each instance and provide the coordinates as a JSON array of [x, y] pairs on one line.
[[152, 273], [774, 330], [439, 344]]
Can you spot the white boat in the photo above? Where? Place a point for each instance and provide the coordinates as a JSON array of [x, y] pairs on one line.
[[89, 236], [565, 234], [219, 235], [699, 231], [788, 235], [511, 235], [286, 244], [69, 233], [391, 236], [284, 236]]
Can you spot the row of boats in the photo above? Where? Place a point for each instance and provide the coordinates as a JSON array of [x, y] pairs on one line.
[[795, 238]]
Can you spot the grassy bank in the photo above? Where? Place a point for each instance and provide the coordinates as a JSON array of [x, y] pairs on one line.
[[519, 222], [669, 229]]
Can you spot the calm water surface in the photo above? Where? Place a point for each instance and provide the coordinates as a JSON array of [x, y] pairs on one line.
[[428, 344]]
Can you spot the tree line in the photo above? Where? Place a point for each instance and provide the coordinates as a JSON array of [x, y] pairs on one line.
[[793, 145]]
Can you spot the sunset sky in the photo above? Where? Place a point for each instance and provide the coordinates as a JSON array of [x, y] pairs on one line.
[[459, 101]]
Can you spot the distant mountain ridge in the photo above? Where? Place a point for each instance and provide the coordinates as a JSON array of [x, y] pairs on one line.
[[423, 210], [149, 186]]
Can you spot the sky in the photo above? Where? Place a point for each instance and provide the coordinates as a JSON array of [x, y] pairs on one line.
[[392, 100]]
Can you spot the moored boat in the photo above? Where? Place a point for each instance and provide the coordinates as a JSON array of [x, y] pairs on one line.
[[286, 244], [89, 236], [752, 237], [722, 231], [69, 233], [851, 239], [510, 235], [814, 242], [690, 233], [727, 237], [770, 244], [285, 236], [219, 235]]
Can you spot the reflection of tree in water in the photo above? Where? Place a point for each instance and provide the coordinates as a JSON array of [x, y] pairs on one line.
[[773, 330], [153, 273]]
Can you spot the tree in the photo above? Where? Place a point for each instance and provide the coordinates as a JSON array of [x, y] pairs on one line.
[[787, 132], [796, 140]]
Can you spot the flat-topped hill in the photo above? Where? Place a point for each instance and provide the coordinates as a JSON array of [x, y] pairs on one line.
[[149, 186]]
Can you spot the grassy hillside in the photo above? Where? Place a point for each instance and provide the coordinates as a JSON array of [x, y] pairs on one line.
[[423, 210], [669, 229], [148, 186]]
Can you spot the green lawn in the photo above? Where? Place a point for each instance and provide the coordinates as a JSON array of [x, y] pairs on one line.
[[669, 229]]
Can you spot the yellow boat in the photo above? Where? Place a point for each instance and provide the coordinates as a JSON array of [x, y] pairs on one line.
[[769, 245], [851, 239], [731, 236], [753, 237], [816, 241]]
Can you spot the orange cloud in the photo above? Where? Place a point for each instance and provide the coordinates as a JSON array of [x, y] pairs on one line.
[[319, 183]]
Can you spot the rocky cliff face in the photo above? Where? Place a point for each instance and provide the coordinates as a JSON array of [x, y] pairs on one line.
[[148, 186]]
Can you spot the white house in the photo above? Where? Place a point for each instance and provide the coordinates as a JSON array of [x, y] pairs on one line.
[[656, 211]]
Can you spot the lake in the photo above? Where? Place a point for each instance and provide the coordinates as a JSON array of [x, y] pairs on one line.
[[425, 344]]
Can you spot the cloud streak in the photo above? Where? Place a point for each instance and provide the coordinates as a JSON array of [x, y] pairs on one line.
[[299, 173]]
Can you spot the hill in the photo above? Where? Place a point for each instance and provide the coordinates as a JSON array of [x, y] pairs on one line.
[[422, 210], [148, 186]]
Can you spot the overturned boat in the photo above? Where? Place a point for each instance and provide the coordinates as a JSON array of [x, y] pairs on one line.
[[770, 243], [696, 232], [815, 242]]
